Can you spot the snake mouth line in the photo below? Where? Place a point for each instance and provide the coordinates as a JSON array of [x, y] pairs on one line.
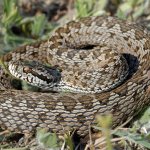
[[87, 47]]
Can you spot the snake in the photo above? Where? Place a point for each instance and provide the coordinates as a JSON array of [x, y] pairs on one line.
[[87, 67]]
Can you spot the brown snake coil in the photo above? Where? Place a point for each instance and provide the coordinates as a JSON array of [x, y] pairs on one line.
[[23, 111]]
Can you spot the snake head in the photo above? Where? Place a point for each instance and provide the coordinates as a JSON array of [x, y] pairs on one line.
[[35, 73]]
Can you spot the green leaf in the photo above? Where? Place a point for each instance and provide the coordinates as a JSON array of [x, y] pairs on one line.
[[133, 137], [123, 10], [47, 139], [146, 116], [38, 25], [84, 8], [69, 141], [11, 14]]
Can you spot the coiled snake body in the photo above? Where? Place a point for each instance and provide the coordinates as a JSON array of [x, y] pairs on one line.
[[103, 62]]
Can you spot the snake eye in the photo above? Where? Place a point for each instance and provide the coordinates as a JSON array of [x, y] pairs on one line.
[[27, 69]]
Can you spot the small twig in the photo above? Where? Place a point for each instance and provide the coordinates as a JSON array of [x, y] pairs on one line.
[[112, 140]]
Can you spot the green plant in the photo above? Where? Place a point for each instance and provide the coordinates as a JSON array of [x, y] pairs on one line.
[[28, 29], [86, 8]]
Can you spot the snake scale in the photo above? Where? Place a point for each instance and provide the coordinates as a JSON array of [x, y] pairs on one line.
[[77, 48]]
